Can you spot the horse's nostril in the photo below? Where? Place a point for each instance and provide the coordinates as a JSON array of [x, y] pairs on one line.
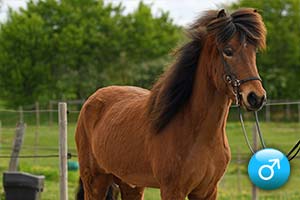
[[255, 101], [252, 99]]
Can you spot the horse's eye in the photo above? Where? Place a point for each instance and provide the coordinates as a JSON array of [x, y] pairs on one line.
[[228, 52]]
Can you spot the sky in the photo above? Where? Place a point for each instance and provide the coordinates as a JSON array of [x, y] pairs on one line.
[[182, 11]]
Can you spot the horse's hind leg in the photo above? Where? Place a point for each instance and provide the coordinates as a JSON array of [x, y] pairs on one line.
[[131, 193], [95, 181], [95, 184]]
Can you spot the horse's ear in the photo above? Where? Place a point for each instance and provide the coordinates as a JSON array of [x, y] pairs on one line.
[[221, 13]]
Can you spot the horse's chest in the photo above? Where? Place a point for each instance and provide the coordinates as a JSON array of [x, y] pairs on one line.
[[210, 167]]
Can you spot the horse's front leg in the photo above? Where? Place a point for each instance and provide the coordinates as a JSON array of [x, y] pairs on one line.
[[198, 195], [128, 192], [95, 185], [171, 193]]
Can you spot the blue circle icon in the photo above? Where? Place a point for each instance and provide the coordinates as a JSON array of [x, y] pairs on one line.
[[269, 169]]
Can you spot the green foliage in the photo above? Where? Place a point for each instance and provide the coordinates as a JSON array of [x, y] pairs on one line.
[[280, 64], [68, 49]]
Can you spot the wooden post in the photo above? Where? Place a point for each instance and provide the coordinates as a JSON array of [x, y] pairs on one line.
[[21, 115], [63, 173], [50, 113], [14, 161], [254, 137], [0, 133], [268, 115], [288, 111], [36, 136], [299, 113], [239, 162]]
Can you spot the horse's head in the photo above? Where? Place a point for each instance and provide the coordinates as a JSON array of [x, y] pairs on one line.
[[238, 37]]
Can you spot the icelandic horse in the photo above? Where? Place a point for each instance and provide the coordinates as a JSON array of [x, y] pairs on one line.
[[173, 136]]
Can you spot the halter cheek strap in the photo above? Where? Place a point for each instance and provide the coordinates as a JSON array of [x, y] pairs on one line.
[[231, 79], [235, 83]]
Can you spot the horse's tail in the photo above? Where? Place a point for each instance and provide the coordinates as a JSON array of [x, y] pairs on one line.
[[112, 193]]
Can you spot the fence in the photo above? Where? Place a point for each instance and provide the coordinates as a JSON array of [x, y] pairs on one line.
[[41, 142], [63, 155], [273, 111]]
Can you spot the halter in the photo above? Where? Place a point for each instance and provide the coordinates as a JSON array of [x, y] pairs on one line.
[[232, 80]]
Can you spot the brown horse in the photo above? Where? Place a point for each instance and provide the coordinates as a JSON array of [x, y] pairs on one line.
[[173, 137]]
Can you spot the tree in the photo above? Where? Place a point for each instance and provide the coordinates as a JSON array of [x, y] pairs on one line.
[[68, 49], [280, 63]]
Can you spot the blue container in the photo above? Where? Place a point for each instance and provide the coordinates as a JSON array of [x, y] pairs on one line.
[[73, 166]]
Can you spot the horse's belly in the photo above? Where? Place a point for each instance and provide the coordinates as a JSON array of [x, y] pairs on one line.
[[140, 180], [135, 173], [124, 156]]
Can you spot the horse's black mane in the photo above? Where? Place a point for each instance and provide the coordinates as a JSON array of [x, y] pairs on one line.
[[175, 86]]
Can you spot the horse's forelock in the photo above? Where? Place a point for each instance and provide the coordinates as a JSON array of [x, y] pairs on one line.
[[246, 22]]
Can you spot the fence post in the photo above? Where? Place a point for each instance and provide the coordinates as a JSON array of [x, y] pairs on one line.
[[21, 115], [268, 114], [239, 161], [288, 111], [36, 136], [254, 137], [0, 132], [50, 113], [299, 112], [14, 161], [63, 174]]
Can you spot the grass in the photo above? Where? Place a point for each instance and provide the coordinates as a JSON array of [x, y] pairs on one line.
[[234, 185]]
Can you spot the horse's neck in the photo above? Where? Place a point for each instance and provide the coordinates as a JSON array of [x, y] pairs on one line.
[[208, 106]]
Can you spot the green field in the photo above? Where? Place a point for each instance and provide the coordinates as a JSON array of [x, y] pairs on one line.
[[234, 185]]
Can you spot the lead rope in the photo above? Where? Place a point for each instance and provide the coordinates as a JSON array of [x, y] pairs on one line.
[[236, 85], [245, 132], [295, 149], [258, 131], [292, 150]]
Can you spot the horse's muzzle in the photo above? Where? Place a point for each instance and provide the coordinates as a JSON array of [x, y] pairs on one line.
[[255, 102]]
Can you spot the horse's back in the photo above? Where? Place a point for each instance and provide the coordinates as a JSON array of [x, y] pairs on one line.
[[116, 123], [113, 94], [104, 99]]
